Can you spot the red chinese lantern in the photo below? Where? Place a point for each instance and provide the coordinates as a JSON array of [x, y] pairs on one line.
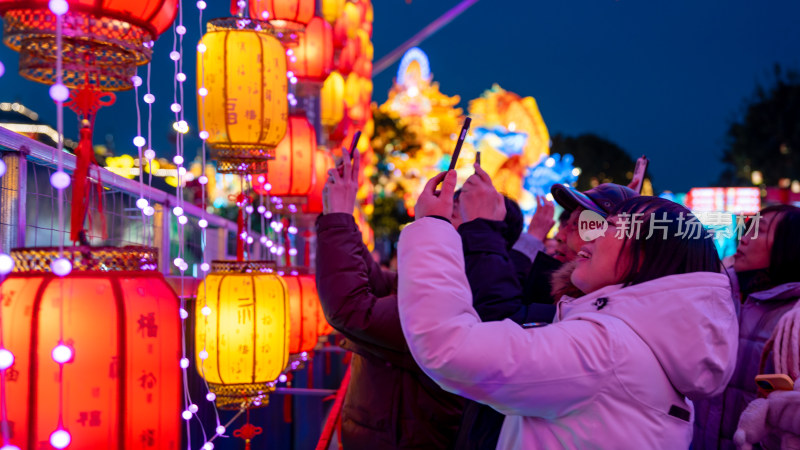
[[303, 310], [292, 171], [324, 161], [348, 56], [110, 332], [314, 52], [104, 40], [340, 32], [284, 14], [363, 67]]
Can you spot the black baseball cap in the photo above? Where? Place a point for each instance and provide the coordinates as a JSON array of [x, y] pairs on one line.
[[601, 199]]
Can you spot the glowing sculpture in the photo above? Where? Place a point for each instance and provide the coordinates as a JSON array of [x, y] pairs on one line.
[[110, 332], [245, 336], [245, 110]]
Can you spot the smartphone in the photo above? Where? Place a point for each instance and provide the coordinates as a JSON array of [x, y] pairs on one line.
[[638, 174], [459, 143], [478, 157], [353, 144], [775, 382]]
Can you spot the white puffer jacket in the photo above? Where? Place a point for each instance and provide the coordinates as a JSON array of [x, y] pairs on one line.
[[611, 373]]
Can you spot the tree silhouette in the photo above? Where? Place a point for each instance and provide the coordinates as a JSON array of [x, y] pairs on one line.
[[767, 138], [600, 160]]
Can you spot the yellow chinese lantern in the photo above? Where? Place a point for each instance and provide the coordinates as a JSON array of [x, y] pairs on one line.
[[242, 74], [352, 90], [332, 100], [242, 331], [353, 15], [332, 9]]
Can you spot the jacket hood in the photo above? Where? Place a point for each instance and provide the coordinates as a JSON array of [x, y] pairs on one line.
[[687, 320], [514, 222]]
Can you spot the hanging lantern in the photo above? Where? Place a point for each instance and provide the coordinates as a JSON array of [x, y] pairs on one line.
[[292, 171], [340, 32], [348, 56], [103, 40], [304, 311], [332, 9], [353, 90], [286, 16], [314, 52], [353, 16], [363, 68], [245, 335], [95, 352], [369, 17], [323, 162], [246, 89], [332, 100]]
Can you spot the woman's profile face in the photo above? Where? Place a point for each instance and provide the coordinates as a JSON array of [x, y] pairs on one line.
[[753, 253], [602, 262]]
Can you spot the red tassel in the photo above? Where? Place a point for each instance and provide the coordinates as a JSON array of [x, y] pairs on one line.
[[310, 372], [287, 409]]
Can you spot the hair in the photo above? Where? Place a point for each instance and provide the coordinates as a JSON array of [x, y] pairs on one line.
[[661, 256], [784, 256], [564, 217]]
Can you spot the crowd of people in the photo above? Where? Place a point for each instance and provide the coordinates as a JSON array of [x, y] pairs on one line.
[[490, 337]]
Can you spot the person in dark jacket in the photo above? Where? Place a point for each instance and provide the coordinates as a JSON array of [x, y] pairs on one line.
[[390, 402], [493, 255]]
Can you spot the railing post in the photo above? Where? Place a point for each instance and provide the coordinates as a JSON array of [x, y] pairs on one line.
[[12, 200]]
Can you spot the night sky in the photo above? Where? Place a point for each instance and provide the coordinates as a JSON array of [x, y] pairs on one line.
[[660, 78]]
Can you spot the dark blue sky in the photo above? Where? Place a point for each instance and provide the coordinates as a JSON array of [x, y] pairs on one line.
[[660, 78]]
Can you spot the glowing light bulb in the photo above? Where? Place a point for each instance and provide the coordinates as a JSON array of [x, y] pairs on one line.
[[184, 314], [59, 7], [59, 92], [263, 240], [61, 354], [181, 77], [187, 415], [293, 251], [150, 154], [208, 446], [178, 211], [2, 69], [201, 48], [9, 447], [268, 214], [289, 74], [141, 203], [201, 5], [267, 187], [60, 438], [183, 220], [203, 179], [204, 267], [206, 310], [149, 98], [202, 223], [292, 229], [220, 429], [261, 209], [193, 408], [211, 396], [139, 141], [265, 15], [293, 80], [180, 29], [203, 355], [136, 80], [61, 267], [249, 209], [174, 55], [149, 211], [249, 239], [184, 363], [59, 180], [6, 264], [177, 261], [202, 92], [282, 378], [6, 359], [175, 107], [204, 135], [177, 159], [183, 267]]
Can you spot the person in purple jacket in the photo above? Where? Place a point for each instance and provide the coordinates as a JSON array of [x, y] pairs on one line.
[[390, 403]]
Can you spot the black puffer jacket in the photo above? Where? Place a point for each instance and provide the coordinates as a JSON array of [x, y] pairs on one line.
[[390, 402]]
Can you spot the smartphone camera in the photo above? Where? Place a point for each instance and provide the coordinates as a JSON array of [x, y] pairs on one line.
[[765, 385]]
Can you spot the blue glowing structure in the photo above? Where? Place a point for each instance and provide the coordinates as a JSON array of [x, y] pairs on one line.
[[509, 143], [413, 54]]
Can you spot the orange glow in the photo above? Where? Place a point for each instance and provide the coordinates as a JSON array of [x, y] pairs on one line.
[[314, 52], [121, 388], [296, 11], [245, 74], [304, 306], [292, 170]]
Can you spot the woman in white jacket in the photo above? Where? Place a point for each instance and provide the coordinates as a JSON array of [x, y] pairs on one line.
[[656, 326]]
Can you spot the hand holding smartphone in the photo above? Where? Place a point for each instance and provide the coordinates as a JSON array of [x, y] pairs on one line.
[[353, 145], [638, 174], [459, 143]]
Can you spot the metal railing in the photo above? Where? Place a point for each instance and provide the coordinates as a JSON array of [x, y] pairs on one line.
[[29, 205]]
